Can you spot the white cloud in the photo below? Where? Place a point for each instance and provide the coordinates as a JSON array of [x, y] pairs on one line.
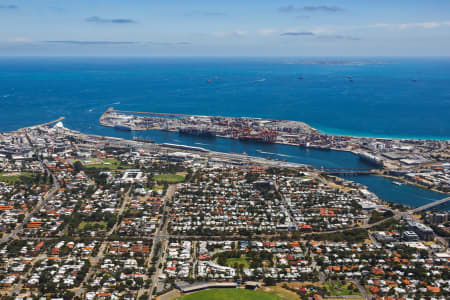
[[19, 40], [424, 25], [237, 32], [266, 31]]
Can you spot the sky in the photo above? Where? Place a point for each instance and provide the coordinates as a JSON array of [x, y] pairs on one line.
[[224, 28]]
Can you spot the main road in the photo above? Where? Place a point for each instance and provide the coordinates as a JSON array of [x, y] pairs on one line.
[[160, 238]]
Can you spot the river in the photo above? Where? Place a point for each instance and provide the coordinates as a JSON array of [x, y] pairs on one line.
[[383, 187]]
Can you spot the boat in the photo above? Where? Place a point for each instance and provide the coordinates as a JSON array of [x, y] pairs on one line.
[[397, 183], [315, 147], [370, 158], [123, 127]]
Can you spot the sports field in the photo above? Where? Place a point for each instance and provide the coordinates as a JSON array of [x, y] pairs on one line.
[[169, 178], [229, 294]]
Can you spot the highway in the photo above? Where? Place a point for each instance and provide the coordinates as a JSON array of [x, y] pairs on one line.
[[161, 237], [285, 207]]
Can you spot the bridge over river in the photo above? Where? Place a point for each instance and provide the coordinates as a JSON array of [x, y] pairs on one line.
[[351, 171], [429, 205]]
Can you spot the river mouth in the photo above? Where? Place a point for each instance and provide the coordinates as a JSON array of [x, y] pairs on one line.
[[384, 188]]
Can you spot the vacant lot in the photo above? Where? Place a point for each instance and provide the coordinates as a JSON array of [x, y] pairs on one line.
[[281, 292], [338, 289]]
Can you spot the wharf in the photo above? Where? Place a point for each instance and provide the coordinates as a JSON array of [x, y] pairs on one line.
[[397, 157]]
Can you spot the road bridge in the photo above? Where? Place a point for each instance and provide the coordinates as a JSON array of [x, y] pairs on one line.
[[350, 171], [429, 205]]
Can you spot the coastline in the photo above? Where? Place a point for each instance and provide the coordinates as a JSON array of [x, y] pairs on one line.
[[344, 133], [105, 121], [258, 159]]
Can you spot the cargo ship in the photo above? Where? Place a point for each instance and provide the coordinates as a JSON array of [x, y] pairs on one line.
[[266, 136], [201, 132], [123, 127], [371, 159], [315, 147]]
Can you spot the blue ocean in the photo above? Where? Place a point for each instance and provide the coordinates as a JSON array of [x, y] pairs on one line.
[[382, 99], [389, 97]]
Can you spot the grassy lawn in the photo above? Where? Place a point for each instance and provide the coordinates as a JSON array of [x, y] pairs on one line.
[[9, 179], [281, 292], [12, 179], [340, 298], [169, 178], [101, 225], [230, 294], [157, 187], [241, 260], [110, 163], [337, 289]]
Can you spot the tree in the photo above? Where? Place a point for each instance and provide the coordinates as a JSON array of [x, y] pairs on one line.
[[269, 281], [144, 296], [78, 166]]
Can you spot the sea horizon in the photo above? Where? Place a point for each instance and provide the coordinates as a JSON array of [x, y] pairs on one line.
[[381, 100]]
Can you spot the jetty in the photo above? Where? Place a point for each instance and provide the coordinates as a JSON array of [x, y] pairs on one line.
[[44, 124]]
